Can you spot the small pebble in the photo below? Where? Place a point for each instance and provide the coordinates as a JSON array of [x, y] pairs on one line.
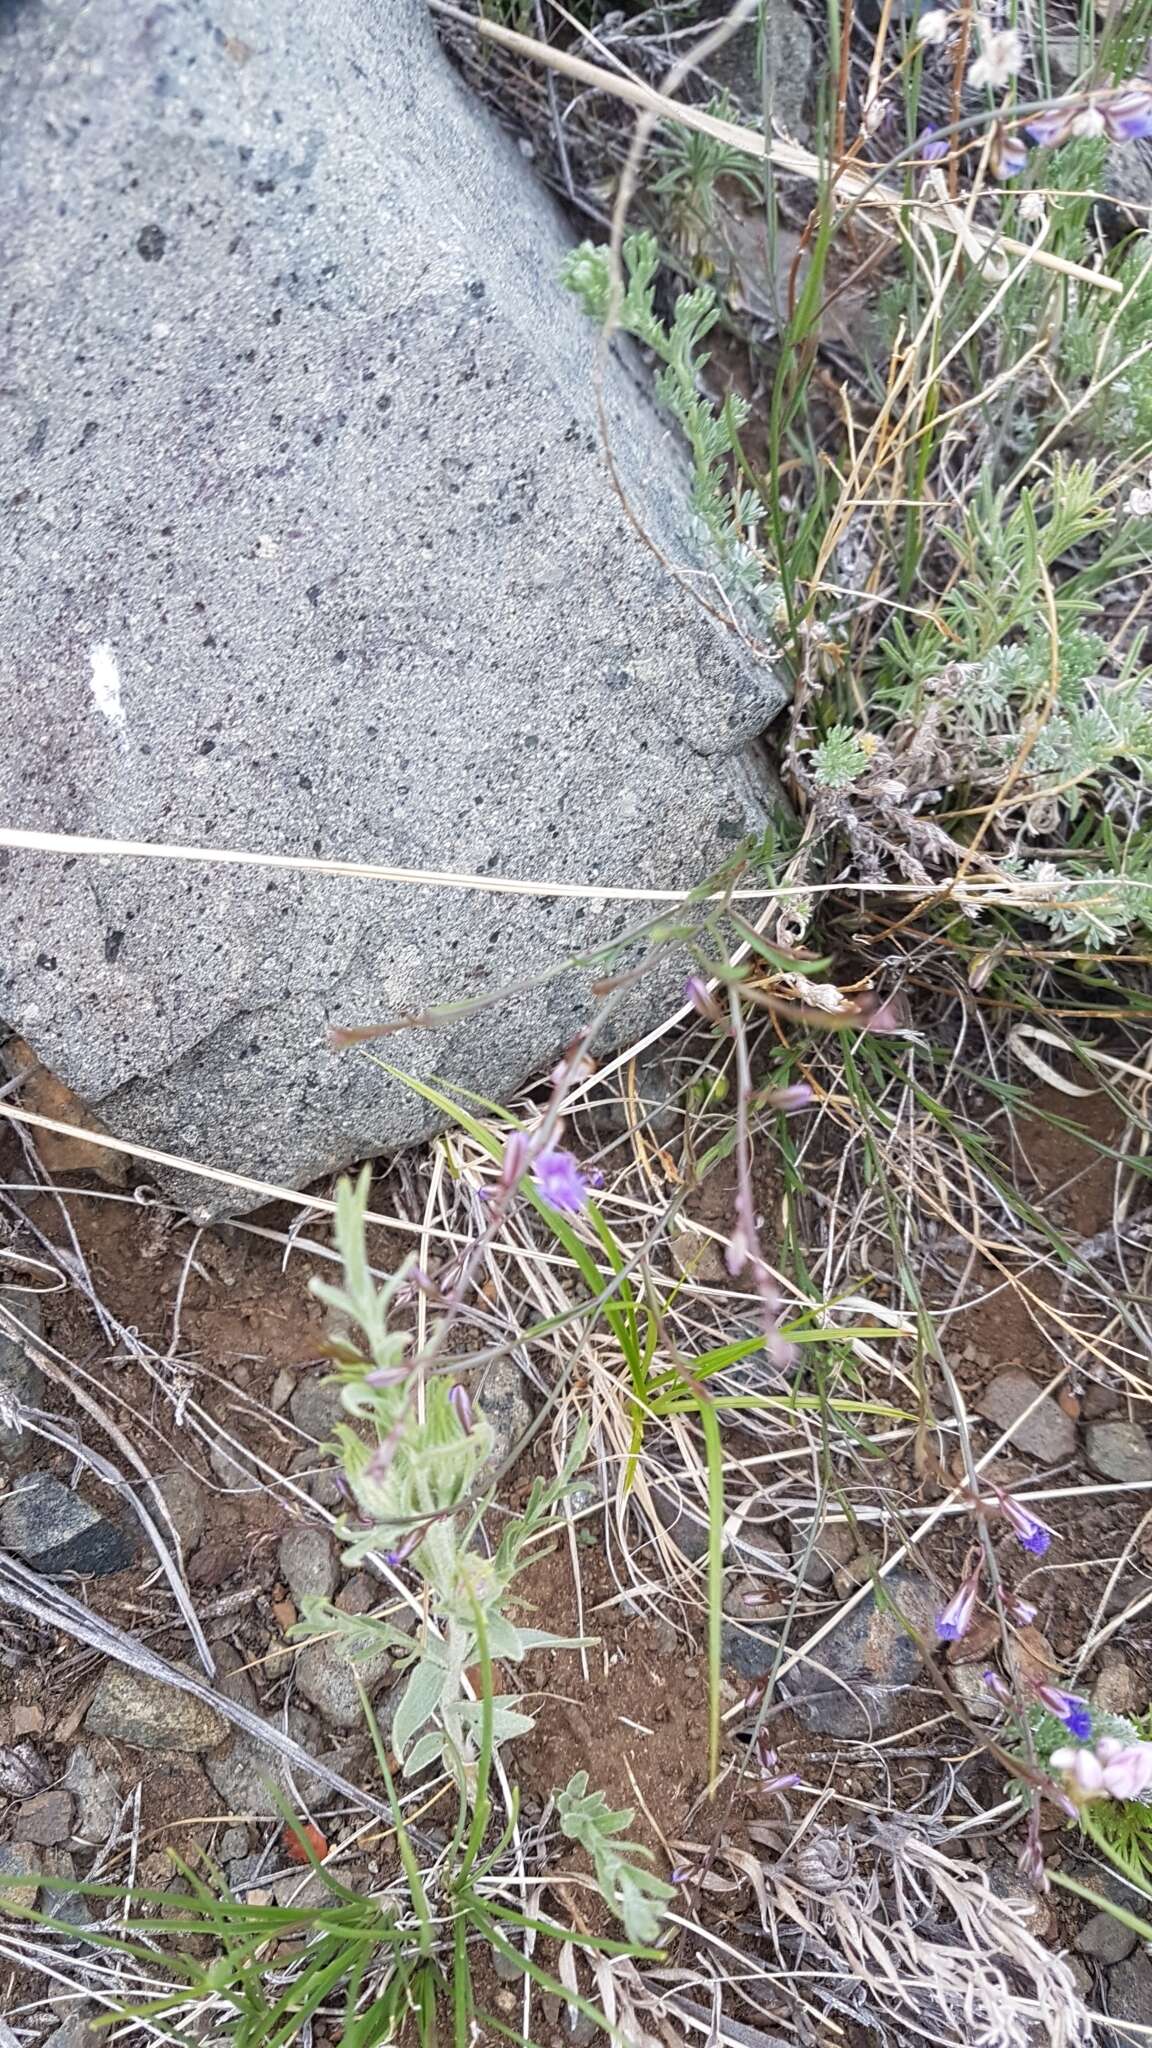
[[184, 1500], [309, 1563], [147, 1713], [1130, 1994], [1105, 1939], [47, 1819], [1118, 1689], [233, 1844], [1119, 1451], [361, 1593], [834, 1545], [281, 1389], [1047, 1434], [315, 1405], [17, 1860]]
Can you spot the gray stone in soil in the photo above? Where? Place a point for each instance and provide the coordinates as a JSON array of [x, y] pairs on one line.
[[71, 1908], [23, 1771], [750, 1651], [967, 1682], [233, 1844], [789, 46], [1119, 1451], [315, 1405], [304, 1888], [318, 1478], [329, 1680], [47, 1819], [243, 1769], [833, 1546], [1047, 1434], [56, 1532], [353, 1757], [311, 548], [184, 1499], [233, 1468], [501, 1396], [147, 1714], [240, 1771], [1080, 1974], [75, 2033], [360, 1594], [1119, 1688], [1129, 1996], [19, 1860], [1105, 1939], [685, 1517], [873, 1658], [21, 1382], [97, 1798], [309, 1564], [245, 1871]]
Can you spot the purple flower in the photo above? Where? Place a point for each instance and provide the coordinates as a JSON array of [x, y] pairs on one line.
[[1128, 112], [796, 1095], [772, 1778], [1124, 114], [994, 1684], [697, 992], [933, 146], [559, 1179], [1021, 1612], [1033, 1533], [1074, 1713], [956, 1619]]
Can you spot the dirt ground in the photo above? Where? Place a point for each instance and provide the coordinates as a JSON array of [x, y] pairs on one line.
[[234, 1330]]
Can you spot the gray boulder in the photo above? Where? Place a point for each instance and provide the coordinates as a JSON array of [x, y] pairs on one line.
[[309, 548]]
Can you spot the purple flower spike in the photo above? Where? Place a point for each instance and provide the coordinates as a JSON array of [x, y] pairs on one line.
[[956, 1619], [1074, 1713], [559, 1179]]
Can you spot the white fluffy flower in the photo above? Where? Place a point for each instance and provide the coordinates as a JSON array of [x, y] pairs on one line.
[[933, 25], [1001, 55]]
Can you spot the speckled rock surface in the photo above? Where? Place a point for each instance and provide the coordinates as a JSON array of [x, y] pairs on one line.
[[309, 547]]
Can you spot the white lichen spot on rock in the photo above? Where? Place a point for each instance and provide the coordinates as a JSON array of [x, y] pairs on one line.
[[106, 688]]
